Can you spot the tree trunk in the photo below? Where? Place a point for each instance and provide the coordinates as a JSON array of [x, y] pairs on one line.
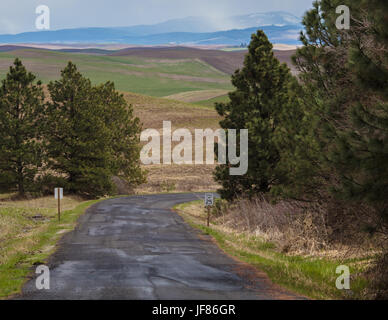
[[21, 189]]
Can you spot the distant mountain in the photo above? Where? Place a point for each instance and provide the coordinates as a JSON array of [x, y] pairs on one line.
[[277, 18], [281, 27], [205, 25], [286, 35], [189, 24]]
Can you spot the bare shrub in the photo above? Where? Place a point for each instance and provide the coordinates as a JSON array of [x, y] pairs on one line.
[[332, 229], [122, 187], [293, 226], [378, 277]]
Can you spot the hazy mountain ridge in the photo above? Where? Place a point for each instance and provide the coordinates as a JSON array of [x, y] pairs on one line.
[[280, 27], [206, 25]]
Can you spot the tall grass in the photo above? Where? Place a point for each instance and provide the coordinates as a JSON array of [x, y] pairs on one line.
[[292, 242], [28, 234]]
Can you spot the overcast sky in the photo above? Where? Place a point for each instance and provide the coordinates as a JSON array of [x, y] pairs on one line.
[[19, 15]]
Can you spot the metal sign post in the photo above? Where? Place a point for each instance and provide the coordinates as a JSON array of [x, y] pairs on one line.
[[58, 194], [209, 201]]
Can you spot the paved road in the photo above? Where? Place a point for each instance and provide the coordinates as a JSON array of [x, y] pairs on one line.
[[137, 248]]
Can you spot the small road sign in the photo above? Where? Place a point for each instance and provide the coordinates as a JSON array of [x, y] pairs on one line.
[[209, 199], [58, 191], [58, 194]]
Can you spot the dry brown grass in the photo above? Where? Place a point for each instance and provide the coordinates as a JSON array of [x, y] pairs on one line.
[[297, 228], [153, 111], [291, 225], [194, 96], [255, 232], [178, 178], [378, 277], [174, 178], [67, 203]]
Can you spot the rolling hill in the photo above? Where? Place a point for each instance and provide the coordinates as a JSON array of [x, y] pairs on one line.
[[225, 61], [158, 72], [151, 76]]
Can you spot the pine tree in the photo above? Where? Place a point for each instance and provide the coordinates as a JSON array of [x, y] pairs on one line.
[[124, 131], [261, 93], [21, 110], [347, 78], [92, 135], [344, 74], [78, 139], [299, 165], [364, 146]]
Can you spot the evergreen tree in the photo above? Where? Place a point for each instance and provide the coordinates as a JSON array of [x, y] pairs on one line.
[[77, 136], [92, 135], [344, 74], [124, 131], [21, 110], [261, 92], [299, 165], [362, 149], [310, 127]]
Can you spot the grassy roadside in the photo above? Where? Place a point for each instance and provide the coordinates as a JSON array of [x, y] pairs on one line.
[[28, 235], [313, 277]]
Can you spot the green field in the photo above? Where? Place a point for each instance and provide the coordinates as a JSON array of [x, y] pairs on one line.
[[211, 102], [153, 77]]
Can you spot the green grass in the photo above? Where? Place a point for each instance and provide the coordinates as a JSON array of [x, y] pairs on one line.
[[234, 49], [152, 77], [27, 242], [211, 102], [313, 277]]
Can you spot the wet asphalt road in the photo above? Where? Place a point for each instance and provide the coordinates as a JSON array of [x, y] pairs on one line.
[[137, 248]]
